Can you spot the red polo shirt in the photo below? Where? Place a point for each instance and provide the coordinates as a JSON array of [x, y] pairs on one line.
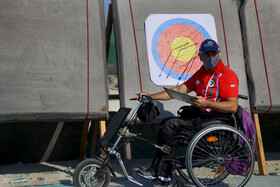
[[214, 85]]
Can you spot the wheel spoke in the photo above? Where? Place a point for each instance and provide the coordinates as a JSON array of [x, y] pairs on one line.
[[228, 158]]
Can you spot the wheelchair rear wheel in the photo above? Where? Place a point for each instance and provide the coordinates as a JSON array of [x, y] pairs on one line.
[[220, 154]]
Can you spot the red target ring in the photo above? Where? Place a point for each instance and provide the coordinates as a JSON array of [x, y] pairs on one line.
[[188, 40]]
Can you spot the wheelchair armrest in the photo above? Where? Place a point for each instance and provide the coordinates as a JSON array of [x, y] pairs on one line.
[[242, 96]]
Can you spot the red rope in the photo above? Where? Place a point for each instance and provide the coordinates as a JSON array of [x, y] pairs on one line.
[[264, 60], [87, 63], [224, 30], [139, 71]]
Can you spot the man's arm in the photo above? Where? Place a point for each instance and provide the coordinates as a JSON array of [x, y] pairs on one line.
[[229, 105], [164, 95]]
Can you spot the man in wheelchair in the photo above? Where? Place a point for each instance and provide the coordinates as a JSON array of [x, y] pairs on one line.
[[216, 88]]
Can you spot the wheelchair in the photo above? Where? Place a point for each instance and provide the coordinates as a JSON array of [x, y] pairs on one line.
[[218, 155]]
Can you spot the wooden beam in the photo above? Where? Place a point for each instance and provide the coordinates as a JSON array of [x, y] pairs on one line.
[[114, 96], [260, 150], [52, 142], [84, 139], [95, 129], [102, 129]]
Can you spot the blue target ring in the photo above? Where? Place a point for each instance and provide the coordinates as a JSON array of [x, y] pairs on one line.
[[158, 33]]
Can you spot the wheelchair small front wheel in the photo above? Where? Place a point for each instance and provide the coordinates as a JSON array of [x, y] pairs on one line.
[[85, 171], [220, 154]]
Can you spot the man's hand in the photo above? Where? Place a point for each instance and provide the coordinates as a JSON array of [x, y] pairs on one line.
[[141, 95], [229, 105], [163, 95], [200, 101]]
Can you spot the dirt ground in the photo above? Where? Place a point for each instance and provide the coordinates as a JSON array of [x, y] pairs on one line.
[[61, 172], [37, 173]]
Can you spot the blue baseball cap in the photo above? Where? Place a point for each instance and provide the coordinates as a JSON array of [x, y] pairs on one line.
[[208, 45]]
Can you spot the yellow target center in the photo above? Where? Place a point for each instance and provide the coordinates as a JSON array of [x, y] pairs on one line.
[[183, 49]]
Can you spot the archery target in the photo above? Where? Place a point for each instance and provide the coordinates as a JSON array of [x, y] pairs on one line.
[[173, 42]]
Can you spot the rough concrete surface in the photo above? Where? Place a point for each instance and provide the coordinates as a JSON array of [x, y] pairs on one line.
[[60, 173], [47, 70]]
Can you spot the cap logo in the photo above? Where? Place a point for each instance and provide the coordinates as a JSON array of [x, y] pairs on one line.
[[209, 44]]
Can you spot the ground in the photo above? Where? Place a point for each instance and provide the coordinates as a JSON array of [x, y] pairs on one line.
[[61, 172]]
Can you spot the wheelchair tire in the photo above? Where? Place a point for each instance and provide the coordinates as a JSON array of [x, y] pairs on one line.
[[85, 170], [220, 154], [183, 171]]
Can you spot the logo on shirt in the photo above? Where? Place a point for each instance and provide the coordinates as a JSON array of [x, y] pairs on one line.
[[197, 82], [232, 85], [212, 83]]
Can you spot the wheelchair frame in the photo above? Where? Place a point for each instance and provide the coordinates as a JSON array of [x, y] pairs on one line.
[[96, 171]]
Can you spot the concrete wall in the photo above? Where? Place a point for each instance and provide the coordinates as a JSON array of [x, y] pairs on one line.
[[262, 74], [44, 69], [45, 76], [129, 83]]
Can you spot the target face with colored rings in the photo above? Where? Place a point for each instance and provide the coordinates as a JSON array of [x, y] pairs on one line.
[[174, 48]]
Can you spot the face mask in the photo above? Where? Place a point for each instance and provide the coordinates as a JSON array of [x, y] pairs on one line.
[[210, 63]]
